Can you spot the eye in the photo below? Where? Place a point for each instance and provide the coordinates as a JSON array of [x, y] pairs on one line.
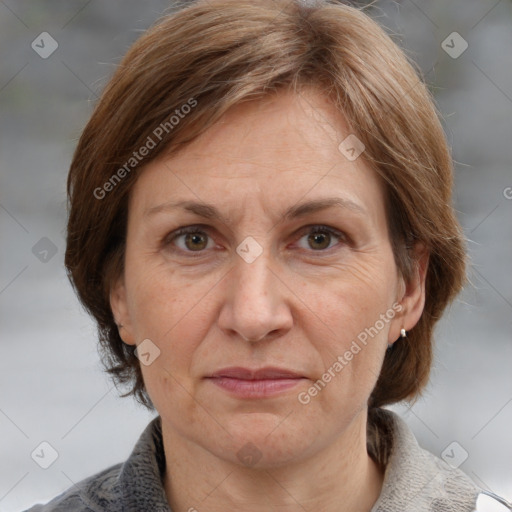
[[319, 238], [193, 239]]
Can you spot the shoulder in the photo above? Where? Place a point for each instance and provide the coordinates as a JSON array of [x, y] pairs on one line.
[[93, 494], [131, 486], [417, 480]]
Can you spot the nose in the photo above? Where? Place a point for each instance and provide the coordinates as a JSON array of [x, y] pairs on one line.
[[256, 304]]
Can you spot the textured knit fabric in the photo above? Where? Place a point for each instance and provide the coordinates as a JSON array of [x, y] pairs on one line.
[[415, 480]]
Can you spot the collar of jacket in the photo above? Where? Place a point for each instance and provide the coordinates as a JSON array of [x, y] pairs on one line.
[[415, 480]]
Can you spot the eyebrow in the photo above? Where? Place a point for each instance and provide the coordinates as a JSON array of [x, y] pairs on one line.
[[209, 211]]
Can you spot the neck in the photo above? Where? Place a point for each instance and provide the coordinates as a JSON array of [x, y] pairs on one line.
[[341, 477]]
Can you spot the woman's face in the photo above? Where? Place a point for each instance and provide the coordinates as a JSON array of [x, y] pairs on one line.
[[265, 282]]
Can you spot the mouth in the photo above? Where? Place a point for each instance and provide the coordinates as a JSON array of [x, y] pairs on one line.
[[258, 383]]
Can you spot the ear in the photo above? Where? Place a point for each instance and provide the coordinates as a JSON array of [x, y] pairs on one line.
[[412, 295], [119, 306]]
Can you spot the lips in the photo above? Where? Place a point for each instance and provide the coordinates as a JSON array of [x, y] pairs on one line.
[[259, 383], [267, 373]]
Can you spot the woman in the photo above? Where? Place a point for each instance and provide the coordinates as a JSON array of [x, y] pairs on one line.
[[261, 225]]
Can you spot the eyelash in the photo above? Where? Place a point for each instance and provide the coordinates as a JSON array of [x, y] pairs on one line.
[[199, 229]]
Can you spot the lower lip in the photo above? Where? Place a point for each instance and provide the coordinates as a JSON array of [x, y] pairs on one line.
[[255, 388]]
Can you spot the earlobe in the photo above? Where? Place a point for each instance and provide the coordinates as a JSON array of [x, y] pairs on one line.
[[119, 307]]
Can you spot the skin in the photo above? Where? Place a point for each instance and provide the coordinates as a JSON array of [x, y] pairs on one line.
[[298, 305]]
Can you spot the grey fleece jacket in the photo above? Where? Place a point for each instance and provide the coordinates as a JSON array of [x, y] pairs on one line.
[[415, 480]]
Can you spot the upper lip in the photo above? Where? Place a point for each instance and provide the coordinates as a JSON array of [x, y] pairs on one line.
[[269, 372]]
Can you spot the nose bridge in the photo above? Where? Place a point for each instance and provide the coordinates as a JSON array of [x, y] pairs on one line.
[[254, 306], [253, 274]]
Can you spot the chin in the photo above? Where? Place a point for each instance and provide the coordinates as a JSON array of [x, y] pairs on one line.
[[264, 440]]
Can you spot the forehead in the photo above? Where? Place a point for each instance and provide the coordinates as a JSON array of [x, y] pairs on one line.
[[274, 151], [287, 126]]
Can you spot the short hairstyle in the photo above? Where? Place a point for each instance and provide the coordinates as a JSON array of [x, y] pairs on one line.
[[210, 56]]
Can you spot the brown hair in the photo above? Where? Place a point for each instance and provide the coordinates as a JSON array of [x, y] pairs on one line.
[[214, 55]]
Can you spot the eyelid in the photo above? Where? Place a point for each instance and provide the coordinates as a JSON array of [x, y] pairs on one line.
[[322, 227], [183, 230]]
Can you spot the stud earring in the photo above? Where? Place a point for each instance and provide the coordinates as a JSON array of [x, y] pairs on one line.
[[403, 334]]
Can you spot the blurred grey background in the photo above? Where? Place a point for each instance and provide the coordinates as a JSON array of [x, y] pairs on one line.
[[52, 388]]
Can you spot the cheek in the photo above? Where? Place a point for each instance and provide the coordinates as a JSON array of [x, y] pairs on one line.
[[172, 311], [352, 299], [349, 320], [171, 315], [158, 302]]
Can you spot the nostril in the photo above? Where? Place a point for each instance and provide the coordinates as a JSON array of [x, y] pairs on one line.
[[252, 340]]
